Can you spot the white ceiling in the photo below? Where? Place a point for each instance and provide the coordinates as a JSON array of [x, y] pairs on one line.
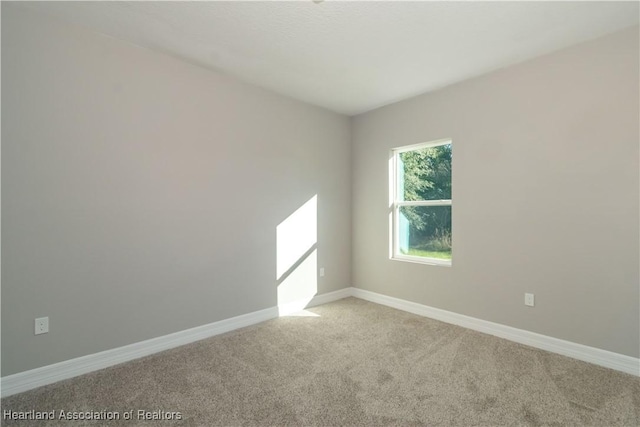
[[351, 57]]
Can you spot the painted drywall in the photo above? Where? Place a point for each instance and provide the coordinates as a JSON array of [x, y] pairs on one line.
[[545, 195], [141, 194]]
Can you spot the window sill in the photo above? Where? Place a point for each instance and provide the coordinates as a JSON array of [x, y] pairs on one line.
[[421, 260]]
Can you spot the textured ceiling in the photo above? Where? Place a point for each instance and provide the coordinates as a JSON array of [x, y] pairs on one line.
[[350, 57]]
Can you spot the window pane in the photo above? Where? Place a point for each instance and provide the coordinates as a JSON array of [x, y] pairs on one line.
[[425, 231], [424, 174]]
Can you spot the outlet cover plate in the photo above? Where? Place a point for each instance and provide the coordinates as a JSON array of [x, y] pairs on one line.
[[529, 300], [42, 325]]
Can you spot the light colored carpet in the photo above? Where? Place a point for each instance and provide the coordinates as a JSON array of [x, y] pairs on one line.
[[356, 363]]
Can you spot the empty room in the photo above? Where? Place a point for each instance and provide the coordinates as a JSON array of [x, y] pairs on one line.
[[316, 213]]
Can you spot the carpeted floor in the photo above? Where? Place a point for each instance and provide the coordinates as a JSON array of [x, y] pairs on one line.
[[355, 363]]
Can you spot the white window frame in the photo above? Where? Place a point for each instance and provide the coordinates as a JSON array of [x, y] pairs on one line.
[[396, 204]]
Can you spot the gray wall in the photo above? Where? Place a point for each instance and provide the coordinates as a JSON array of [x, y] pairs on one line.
[[545, 195], [141, 194]]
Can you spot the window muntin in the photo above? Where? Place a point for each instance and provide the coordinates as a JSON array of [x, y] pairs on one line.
[[422, 203]]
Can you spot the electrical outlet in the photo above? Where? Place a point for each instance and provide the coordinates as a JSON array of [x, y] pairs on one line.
[[42, 325], [321, 271], [529, 300]]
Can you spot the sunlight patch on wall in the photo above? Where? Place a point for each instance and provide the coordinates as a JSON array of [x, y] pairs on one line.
[[297, 258], [299, 287], [296, 235]]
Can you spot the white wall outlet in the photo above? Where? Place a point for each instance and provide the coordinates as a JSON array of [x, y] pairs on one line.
[[321, 271], [529, 300], [42, 325]]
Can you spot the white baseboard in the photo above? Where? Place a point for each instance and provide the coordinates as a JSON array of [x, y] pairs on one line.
[[331, 296], [608, 359], [23, 381], [295, 306], [28, 380]]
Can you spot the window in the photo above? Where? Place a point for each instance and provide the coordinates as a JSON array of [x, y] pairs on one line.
[[420, 184]]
